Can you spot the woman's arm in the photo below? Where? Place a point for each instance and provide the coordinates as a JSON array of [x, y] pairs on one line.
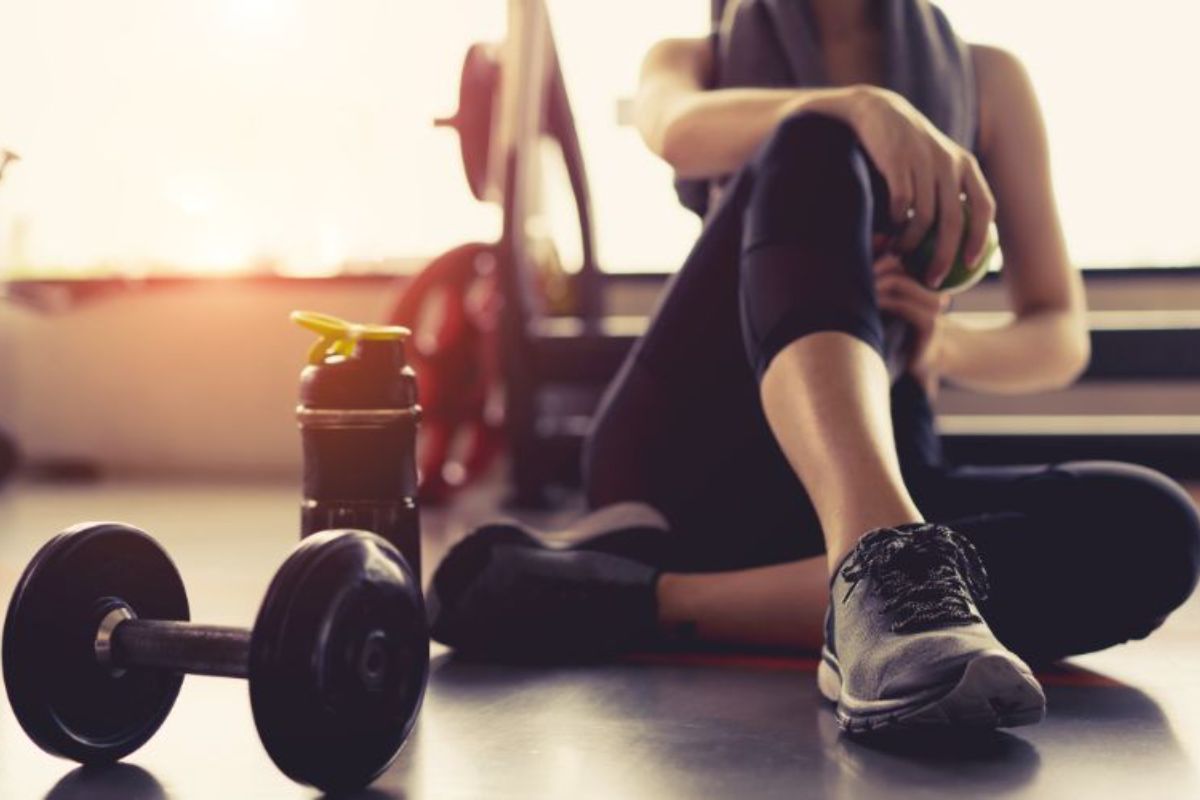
[[1045, 345], [1036, 352], [706, 133], [703, 133]]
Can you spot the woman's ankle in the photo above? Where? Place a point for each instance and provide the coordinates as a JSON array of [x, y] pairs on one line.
[[843, 538]]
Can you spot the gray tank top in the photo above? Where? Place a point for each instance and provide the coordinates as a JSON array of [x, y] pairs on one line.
[[774, 43]]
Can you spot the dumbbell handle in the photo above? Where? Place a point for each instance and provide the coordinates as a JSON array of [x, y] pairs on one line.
[[178, 646]]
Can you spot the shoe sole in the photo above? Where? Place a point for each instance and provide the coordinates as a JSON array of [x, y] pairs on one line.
[[995, 690]]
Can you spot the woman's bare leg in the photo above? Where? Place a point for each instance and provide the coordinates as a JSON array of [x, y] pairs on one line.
[[782, 605], [826, 397]]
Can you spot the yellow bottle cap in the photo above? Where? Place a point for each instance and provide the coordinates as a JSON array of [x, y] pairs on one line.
[[338, 337]]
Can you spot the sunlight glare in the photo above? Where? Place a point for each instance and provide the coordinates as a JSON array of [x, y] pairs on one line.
[[296, 135]]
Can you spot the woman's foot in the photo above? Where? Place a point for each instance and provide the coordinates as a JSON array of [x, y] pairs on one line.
[[905, 645], [502, 594]]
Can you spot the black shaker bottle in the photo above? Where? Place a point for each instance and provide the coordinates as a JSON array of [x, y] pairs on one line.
[[358, 418]]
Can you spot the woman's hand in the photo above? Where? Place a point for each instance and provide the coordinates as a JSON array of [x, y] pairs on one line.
[[903, 296], [927, 175]]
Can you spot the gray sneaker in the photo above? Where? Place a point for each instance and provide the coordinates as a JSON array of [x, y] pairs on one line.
[[905, 645]]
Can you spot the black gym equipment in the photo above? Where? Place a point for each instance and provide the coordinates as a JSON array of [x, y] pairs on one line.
[[478, 87], [97, 639], [555, 355], [557, 346]]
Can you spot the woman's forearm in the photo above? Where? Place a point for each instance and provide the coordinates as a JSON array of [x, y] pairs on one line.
[[1036, 352], [707, 134]]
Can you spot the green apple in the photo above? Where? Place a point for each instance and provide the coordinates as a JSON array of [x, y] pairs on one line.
[[962, 276]]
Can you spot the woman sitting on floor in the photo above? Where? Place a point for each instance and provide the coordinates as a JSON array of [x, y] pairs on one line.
[[765, 468]]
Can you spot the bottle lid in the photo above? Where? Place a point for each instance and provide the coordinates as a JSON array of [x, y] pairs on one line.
[[339, 337], [353, 366]]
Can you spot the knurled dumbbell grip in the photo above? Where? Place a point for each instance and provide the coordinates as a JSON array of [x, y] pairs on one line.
[[182, 647]]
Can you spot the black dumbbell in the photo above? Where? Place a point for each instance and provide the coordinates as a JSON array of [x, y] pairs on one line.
[[96, 642]]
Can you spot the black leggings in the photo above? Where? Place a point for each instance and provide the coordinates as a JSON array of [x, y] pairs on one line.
[[1080, 555]]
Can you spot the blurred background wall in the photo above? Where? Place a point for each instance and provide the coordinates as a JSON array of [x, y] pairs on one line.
[[234, 159], [200, 377]]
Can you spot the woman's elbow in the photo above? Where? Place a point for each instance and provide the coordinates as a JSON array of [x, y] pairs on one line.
[[675, 147], [665, 134], [1063, 349], [1079, 356], [1072, 356]]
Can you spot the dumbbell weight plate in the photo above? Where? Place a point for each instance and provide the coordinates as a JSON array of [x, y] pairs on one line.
[[67, 702], [339, 659], [477, 91]]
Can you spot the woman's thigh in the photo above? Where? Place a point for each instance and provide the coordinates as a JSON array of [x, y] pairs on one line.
[[685, 396]]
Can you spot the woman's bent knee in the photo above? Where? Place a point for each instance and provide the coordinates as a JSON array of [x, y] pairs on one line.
[[1172, 533], [806, 253], [1161, 555], [811, 183], [808, 135]]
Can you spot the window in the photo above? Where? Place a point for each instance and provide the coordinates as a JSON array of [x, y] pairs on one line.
[[223, 136], [1116, 82], [295, 136]]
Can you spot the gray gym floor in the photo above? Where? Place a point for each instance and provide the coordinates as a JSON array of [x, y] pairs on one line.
[[1124, 723]]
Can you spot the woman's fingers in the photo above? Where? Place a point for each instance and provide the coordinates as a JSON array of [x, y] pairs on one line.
[[923, 209], [922, 324], [902, 295], [928, 177], [919, 307], [949, 226], [903, 285], [981, 207], [888, 263], [879, 244], [900, 193], [908, 311]]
